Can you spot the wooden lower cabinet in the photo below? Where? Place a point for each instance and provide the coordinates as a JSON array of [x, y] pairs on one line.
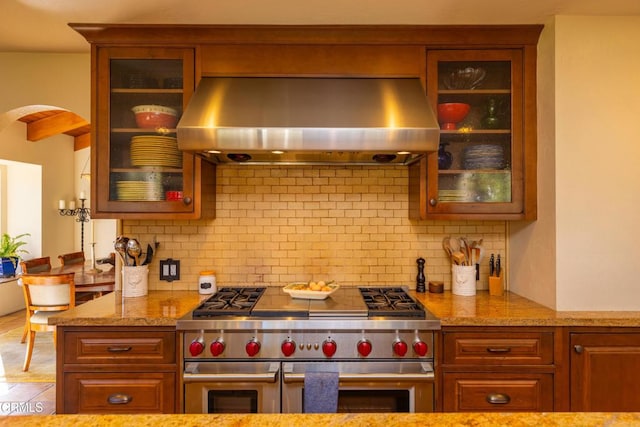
[[605, 370], [116, 370], [481, 391], [496, 369]]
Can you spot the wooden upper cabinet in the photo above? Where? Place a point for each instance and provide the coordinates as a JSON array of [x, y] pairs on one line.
[[486, 165], [493, 171], [138, 167]]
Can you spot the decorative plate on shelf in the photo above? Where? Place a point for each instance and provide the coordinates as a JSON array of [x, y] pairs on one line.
[[303, 290]]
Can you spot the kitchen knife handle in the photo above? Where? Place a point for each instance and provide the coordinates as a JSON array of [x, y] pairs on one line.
[[491, 265]]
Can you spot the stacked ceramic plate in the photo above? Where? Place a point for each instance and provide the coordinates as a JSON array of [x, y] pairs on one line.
[[156, 151], [454, 196], [483, 156], [140, 190]]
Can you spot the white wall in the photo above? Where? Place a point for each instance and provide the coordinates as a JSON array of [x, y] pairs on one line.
[[532, 246], [594, 82], [61, 80]]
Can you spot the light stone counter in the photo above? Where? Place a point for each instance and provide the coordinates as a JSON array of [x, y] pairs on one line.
[[163, 308], [339, 420], [513, 310], [158, 308]]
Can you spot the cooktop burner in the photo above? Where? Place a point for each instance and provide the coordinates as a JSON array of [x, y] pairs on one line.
[[390, 302], [347, 302], [230, 302]]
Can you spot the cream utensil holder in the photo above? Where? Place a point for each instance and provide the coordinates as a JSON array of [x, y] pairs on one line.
[[463, 280], [135, 281]]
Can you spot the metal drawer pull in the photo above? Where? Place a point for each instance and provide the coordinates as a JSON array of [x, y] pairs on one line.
[[578, 349], [499, 350], [498, 398], [119, 399], [118, 349]]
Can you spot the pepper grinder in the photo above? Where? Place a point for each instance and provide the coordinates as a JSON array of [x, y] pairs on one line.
[[420, 279]]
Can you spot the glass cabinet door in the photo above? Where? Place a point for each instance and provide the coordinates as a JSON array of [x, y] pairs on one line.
[[140, 168], [477, 95]]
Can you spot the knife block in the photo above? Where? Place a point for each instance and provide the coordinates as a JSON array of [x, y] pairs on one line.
[[496, 284]]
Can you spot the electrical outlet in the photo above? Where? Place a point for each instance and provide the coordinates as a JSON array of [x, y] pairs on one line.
[[169, 269]]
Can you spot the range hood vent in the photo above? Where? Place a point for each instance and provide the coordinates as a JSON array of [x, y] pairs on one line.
[[300, 120]]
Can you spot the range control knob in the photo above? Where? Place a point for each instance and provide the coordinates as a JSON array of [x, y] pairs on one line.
[[329, 347], [196, 347], [217, 347], [288, 347], [400, 348], [252, 347], [420, 347], [364, 347]]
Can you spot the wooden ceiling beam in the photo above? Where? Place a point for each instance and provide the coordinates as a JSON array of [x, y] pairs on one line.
[[61, 122]]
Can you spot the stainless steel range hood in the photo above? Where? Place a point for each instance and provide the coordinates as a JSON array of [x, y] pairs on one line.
[[278, 120]]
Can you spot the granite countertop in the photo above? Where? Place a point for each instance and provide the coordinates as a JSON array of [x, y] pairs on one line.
[[163, 308], [513, 310], [342, 420], [158, 308]]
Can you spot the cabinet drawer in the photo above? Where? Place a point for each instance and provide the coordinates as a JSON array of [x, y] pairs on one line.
[[120, 347], [498, 392], [520, 348], [119, 393]]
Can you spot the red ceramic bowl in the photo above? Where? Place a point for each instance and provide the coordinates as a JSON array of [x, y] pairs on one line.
[[155, 116], [451, 113]]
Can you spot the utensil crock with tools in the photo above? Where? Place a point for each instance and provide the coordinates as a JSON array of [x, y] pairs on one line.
[[463, 280], [135, 281]]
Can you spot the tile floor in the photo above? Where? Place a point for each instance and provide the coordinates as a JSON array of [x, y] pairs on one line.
[[24, 398]]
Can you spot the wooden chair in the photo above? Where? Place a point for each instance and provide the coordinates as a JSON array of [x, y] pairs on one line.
[[35, 265], [71, 258], [45, 295]]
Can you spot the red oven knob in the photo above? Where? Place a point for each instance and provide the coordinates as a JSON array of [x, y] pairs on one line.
[[252, 347], [400, 348], [329, 347], [420, 347], [364, 347], [288, 347], [196, 347], [217, 347]]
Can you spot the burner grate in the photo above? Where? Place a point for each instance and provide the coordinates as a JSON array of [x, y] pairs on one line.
[[230, 302], [392, 301]]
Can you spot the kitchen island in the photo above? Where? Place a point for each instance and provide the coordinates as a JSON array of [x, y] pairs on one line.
[[342, 420]]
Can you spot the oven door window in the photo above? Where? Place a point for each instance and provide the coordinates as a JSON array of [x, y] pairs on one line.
[[232, 402]]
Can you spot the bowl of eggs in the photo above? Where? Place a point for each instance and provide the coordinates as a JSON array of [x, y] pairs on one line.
[[311, 289]]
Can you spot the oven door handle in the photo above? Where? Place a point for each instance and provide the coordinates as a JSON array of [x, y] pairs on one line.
[[268, 376], [290, 377], [262, 377]]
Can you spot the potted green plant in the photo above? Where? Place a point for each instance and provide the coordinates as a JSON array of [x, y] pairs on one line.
[[10, 253]]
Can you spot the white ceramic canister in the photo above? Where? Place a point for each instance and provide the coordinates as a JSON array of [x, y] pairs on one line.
[[207, 282]]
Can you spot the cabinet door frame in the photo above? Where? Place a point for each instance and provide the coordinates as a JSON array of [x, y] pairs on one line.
[[523, 141], [588, 372], [101, 205]]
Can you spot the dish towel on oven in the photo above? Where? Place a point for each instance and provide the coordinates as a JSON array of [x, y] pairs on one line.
[[321, 392]]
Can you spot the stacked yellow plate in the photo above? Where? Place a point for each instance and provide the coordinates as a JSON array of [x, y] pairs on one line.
[[455, 196], [155, 151], [140, 190]]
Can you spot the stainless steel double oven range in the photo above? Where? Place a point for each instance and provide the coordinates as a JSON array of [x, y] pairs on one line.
[[247, 350]]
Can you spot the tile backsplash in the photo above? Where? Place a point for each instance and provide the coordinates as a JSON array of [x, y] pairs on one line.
[[279, 224]]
